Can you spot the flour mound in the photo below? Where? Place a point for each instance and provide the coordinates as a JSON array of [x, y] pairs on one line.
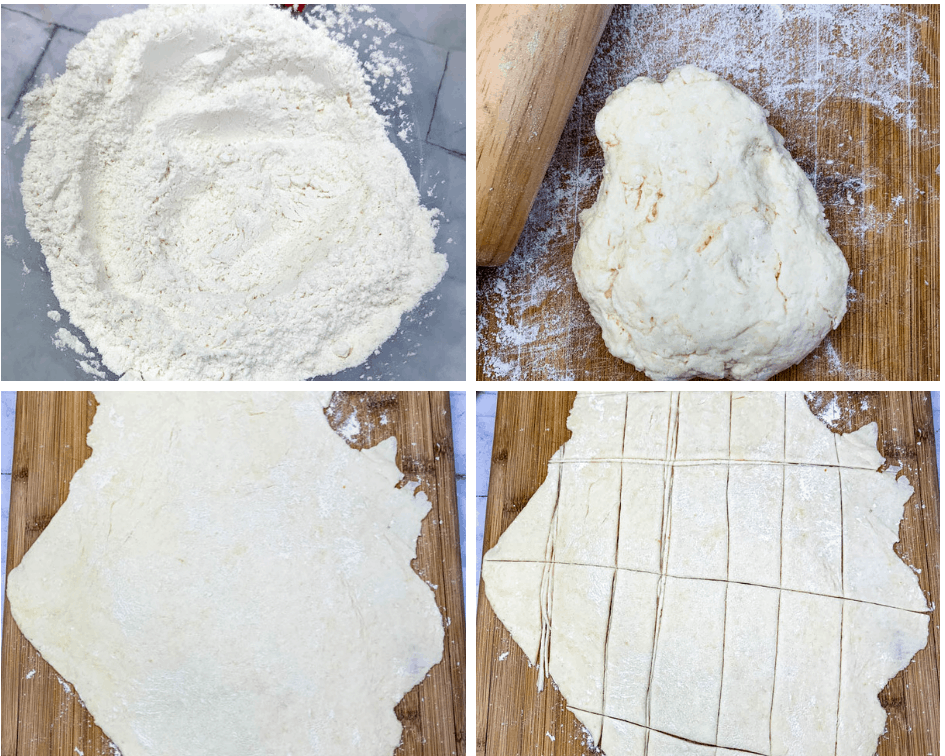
[[706, 253], [217, 198]]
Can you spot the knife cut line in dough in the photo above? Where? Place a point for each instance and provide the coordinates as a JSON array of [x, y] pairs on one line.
[[730, 518], [709, 580], [227, 576]]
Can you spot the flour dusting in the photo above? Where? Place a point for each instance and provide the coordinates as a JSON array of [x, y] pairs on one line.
[[381, 58], [343, 418], [841, 412], [92, 367], [241, 212], [63, 339], [829, 414], [800, 63]]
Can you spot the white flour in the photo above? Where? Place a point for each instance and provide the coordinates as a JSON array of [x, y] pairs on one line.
[[796, 61], [64, 339], [217, 198]]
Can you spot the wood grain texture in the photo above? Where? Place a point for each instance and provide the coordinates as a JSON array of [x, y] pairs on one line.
[[530, 62], [42, 714], [872, 167], [514, 719]]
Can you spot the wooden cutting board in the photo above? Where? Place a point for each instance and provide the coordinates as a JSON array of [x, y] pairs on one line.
[[873, 163], [41, 712], [514, 719]]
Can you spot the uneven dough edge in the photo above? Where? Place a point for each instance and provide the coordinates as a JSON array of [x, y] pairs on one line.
[[59, 552], [512, 586]]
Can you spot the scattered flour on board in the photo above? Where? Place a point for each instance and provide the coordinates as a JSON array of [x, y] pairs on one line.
[[54, 315], [830, 414], [350, 429], [9, 240], [835, 415], [343, 418], [863, 53]]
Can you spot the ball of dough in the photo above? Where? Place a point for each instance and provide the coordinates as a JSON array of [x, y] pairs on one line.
[[706, 253]]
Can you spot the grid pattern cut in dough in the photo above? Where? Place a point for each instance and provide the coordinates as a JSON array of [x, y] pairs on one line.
[[712, 574]]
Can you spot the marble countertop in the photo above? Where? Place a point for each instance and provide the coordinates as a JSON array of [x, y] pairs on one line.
[[429, 39]]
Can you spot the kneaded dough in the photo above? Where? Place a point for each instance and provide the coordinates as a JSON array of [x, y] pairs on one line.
[[228, 577], [706, 253], [742, 596]]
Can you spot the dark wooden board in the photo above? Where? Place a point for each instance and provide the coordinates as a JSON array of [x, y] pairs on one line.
[[514, 719]]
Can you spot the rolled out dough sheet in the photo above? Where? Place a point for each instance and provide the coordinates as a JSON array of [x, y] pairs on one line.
[[227, 576], [712, 573]]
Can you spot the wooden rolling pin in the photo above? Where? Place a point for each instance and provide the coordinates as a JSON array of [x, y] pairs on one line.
[[530, 62]]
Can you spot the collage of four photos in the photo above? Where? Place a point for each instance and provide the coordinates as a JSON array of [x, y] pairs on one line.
[[251, 234]]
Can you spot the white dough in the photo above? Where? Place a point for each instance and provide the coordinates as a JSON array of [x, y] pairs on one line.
[[228, 577], [748, 601], [706, 252]]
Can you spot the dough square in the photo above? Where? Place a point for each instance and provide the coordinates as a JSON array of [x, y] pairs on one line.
[[751, 627], [698, 545], [587, 525], [811, 530], [704, 431], [641, 517], [758, 426], [630, 645], [599, 432], [648, 424], [806, 692], [755, 502], [687, 666]]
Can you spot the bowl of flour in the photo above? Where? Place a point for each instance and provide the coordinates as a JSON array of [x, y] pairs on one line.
[[217, 196]]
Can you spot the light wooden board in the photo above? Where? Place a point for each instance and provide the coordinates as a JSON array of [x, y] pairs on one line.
[[873, 167], [42, 715], [514, 719]]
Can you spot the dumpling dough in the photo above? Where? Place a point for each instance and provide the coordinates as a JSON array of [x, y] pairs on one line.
[[706, 253], [709, 573], [228, 577]]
